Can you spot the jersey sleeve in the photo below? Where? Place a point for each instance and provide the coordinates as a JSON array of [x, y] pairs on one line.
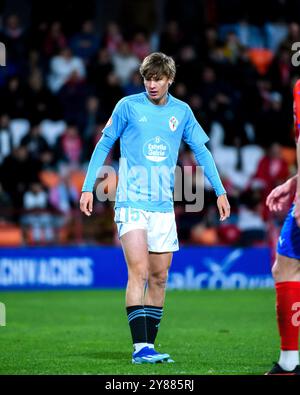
[[118, 120], [196, 138], [112, 131], [193, 133]]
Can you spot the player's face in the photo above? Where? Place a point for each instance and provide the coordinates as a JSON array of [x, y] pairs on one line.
[[157, 89]]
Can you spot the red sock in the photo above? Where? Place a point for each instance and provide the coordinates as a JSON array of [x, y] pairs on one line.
[[288, 313]]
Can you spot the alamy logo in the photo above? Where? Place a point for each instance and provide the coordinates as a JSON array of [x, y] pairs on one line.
[[296, 56], [2, 314], [2, 54]]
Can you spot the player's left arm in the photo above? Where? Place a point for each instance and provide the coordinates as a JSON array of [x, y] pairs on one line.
[[297, 203], [204, 158], [196, 138]]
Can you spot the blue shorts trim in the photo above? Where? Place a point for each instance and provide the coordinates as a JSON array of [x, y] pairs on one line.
[[289, 240]]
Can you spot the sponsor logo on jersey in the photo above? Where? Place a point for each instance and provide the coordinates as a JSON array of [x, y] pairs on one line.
[[156, 149], [173, 123]]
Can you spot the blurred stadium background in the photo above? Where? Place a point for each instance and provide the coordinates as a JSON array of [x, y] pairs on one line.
[[68, 63]]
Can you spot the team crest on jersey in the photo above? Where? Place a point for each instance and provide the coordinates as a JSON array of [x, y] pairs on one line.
[[173, 123]]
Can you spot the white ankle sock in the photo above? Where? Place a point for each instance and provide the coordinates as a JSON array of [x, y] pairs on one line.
[[139, 346], [150, 345], [289, 359]]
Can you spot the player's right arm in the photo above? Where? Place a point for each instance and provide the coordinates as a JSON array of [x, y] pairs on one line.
[[196, 138], [297, 203], [112, 131], [98, 158], [281, 196], [86, 203], [296, 94]]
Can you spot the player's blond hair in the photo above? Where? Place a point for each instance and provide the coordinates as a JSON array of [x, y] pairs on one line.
[[157, 65]]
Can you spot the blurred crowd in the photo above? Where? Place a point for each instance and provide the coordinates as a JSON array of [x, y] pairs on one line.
[[59, 87]]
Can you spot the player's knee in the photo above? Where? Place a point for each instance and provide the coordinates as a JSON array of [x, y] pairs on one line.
[[158, 279], [138, 277]]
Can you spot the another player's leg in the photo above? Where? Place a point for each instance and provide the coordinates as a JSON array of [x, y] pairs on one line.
[[286, 273], [159, 264], [134, 244]]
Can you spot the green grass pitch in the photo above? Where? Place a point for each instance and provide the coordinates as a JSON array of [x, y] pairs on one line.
[[86, 332]]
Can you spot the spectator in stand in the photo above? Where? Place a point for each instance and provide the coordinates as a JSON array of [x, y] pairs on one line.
[[69, 147], [55, 40], [72, 98], [63, 67], [281, 69], [13, 98], [125, 63], [6, 143], [15, 39], [41, 103], [250, 219], [203, 117], [274, 118], [112, 37], [86, 43], [63, 197], [93, 115], [134, 85], [35, 143], [140, 45], [293, 35], [189, 71], [111, 93], [48, 161], [6, 207], [272, 170], [180, 91], [17, 172], [36, 215], [98, 70], [171, 38]]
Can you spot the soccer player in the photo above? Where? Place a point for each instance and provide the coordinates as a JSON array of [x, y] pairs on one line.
[[150, 126], [286, 269]]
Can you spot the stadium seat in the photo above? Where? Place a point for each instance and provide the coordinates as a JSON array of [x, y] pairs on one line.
[[10, 235], [49, 178], [204, 236], [76, 179], [261, 58], [19, 128], [51, 130], [229, 234], [289, 155]]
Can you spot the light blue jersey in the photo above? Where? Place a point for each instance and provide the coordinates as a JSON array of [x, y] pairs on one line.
[[150, 137]]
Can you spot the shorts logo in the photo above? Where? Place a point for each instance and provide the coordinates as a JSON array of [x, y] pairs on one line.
[[173, 123]]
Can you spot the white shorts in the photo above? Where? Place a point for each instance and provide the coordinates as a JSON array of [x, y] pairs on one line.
[[160, 227]]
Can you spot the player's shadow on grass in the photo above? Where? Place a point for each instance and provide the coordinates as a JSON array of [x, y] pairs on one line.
[[113, 355]]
